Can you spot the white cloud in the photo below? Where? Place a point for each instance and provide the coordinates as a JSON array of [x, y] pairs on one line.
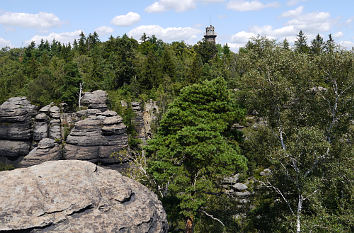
[[294, 2], [313, 22], [242, 37], [241, 5], [177, 5], [4, 43], [41, 20], [167, 34], [338, 34], [235, 46], [64, 37], [126, 20], [294, 12], [104, 30], [347, 44]]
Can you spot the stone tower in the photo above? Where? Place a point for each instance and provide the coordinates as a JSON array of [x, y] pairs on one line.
[[210, 34]]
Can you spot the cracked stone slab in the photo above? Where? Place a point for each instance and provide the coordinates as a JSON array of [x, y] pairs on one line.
[[76, 196]]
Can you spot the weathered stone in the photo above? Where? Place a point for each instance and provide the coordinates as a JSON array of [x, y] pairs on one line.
[[76, 196], [113, 129], [96, 100], [231, 179], [13, 149], [40, 131], [55, 112], [46, 150], [17, 109], [113, 120], [92, 140], [16, 130], [55, 131], [240, 186], [42, 117], [16, 127], [242, 194], [265, 172], [46, 108], [109, 113]]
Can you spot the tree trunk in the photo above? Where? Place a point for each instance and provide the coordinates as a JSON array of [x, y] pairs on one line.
[[298, 213], [189, 225]]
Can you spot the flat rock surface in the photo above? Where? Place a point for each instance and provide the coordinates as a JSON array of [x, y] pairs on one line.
[[76, 196]]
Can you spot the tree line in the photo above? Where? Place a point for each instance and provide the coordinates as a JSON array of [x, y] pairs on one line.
[[302, 94]]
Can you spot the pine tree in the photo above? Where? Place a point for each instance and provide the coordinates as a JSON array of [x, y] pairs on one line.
[[195, 148], [317, 45], [301, 43]]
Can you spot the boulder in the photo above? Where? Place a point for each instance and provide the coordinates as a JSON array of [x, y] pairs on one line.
[[95, 100], [16, 128], [55, 129], [54, 112], [46, 150], [240, 186], [14, 149], [98, 138], [17, 109], [40, 130], [76, 196]]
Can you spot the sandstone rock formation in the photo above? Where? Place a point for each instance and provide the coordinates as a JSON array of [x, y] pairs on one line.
[[94, 134], [144, 118], [100, 137], [46, 150], [95, 100], [76, 196], [16, 128]]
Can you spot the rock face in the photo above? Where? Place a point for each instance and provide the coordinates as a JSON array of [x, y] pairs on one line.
[[95, 134], [16, 130], [101, 137], [95, 100], [76, 196], [46, 150], [144, 118]]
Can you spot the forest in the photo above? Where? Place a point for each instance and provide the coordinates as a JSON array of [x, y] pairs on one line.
[[295, 103]]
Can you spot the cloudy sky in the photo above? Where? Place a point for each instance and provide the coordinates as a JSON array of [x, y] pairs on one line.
[[235, 21]]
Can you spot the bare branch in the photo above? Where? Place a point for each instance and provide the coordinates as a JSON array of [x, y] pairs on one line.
[[211, 216], [269, 185]]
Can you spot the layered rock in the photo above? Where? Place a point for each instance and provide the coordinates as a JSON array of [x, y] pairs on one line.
[[94, 134], [46, 150], [16, 128], [95, 100], [76, 196], [101, 137], [144, 118]]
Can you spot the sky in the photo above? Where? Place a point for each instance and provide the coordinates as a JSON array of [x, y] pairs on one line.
[[235, 21]]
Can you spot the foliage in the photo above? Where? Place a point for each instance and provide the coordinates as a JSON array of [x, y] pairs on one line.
[[300, 99], [306, 100], [194, 148]]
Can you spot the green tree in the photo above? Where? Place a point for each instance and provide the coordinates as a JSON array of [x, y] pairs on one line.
[[307, 104], [195, 148], [301, 43], [317, 45]]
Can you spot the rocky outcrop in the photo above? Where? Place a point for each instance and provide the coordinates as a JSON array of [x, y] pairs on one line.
[[101, 137], [94, 134], [76, 196], [145, 116], [16, 128], [95, 100], [46, 150]]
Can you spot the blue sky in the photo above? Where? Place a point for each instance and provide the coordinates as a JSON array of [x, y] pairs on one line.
[[235, 21]]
